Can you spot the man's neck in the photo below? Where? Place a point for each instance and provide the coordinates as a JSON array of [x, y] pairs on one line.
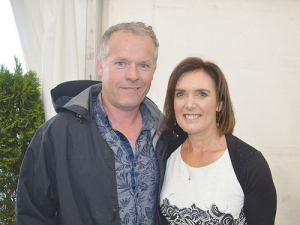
[[128, 122], [122, 120]]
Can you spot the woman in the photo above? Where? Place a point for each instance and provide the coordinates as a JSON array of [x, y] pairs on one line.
[[209, 176]]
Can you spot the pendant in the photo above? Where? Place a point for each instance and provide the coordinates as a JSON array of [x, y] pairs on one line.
[[190, 179]]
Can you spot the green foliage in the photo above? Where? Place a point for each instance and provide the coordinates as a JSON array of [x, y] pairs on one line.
[[21, 113]]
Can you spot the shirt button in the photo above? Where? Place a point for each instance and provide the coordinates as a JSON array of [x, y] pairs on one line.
[[134, 164], [121, 137], [137, 195]]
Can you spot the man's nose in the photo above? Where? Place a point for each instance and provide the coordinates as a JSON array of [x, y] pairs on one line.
[[132, 73]]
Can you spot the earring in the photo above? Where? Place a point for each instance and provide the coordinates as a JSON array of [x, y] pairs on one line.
[[175, 124], [218, 119]]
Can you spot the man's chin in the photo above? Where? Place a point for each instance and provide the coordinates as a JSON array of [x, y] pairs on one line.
[[130, 105]]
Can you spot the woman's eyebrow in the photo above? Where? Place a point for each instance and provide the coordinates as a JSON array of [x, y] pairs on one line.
[[202, 89]]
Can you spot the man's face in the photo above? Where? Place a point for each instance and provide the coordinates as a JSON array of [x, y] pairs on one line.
[[127, 71]]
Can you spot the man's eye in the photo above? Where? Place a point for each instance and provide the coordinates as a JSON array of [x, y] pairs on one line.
[[120, 64], [144, 66]]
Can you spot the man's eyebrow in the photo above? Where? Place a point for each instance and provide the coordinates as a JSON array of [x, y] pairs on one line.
[[119, 59]]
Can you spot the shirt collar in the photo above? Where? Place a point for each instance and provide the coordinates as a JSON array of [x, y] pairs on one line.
[[147, 118]]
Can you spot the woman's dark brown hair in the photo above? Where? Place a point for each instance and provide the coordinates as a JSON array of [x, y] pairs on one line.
[[225, 117]]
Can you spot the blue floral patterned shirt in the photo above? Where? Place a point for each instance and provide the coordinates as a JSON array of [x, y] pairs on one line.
[[137, 174]]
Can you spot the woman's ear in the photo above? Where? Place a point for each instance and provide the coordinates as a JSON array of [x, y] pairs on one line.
[[219, 106]]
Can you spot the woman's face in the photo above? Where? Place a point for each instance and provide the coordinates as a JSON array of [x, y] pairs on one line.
[[195, 103]]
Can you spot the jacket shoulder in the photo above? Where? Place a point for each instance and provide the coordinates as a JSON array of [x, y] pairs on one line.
[[168, 143], [241, 154], [239, 148]]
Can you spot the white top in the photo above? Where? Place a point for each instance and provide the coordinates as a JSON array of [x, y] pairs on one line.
[[213, 191]]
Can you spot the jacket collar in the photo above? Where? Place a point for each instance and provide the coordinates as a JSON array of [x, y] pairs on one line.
[[77, 96]]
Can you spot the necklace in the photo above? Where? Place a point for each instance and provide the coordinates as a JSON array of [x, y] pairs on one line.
[[191, 172]]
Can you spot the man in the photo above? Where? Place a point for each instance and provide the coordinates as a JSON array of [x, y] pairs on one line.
[[94, 162]]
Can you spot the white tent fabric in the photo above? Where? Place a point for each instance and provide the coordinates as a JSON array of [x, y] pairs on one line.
[[256, 43], [53, 37]]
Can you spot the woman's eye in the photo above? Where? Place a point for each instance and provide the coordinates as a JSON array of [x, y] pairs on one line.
[[202, 94], [179, 94]]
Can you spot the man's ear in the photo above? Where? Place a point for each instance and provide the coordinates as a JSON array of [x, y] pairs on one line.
[[154, 68], [219, 106], [100, 68]]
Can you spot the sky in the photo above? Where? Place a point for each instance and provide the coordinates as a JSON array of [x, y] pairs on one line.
[[10, 45]]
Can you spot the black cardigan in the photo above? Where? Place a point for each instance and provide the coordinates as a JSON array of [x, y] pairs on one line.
[[251, 169]]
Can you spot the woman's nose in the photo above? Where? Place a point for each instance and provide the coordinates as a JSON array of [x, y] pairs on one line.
[[191, 104]]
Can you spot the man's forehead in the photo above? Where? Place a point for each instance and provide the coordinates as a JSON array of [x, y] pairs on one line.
[[123, 46], [127, 34]]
